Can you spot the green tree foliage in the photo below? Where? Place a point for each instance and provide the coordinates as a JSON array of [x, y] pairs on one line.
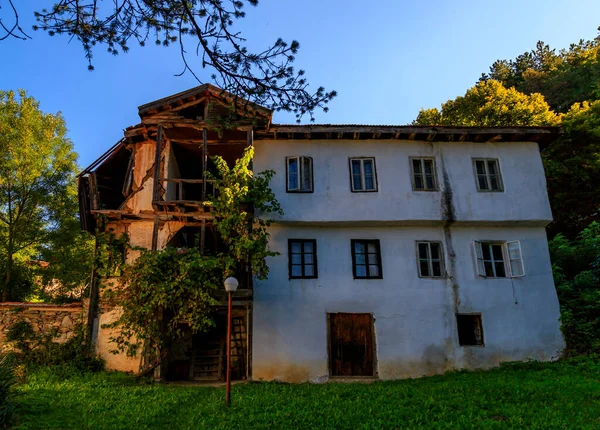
[[576, 267], [69, 257], [490, 104], [570, 76], [572, 166], [37, 193], [7, 383], [163, 291], [265, 76], [240, 191]]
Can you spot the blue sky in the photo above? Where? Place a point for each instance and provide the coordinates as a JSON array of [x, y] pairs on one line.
[[386, 58]]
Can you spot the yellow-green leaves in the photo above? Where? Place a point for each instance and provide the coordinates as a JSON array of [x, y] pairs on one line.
[[490, 104]]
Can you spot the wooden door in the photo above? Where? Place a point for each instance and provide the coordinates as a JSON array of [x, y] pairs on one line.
[[351, 344]]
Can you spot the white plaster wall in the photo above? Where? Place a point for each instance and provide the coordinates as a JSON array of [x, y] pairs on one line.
[[524, 197], [415, 325]]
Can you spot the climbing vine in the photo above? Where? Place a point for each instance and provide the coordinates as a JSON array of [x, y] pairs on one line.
[[169, 291], [110, 251], [163, 292], [241, 194]]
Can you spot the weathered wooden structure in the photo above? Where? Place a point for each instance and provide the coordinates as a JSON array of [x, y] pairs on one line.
[[153, 185]]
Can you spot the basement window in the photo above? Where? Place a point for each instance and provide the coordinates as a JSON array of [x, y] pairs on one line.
[[470, 329]]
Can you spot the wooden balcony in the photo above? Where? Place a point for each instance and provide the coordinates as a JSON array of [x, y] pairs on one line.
[[185, 197]]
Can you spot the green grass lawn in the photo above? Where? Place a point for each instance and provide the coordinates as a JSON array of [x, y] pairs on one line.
[[533, 395]]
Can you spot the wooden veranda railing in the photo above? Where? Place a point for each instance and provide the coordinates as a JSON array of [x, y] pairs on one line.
[[197, 190]]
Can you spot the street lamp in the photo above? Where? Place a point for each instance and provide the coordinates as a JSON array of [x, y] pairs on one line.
[[231, 285]]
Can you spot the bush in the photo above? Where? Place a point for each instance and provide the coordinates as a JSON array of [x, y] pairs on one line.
[[40, 349], [7, 381], [576, 268]]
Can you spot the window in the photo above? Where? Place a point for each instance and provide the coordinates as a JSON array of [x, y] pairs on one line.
[[423, 174], [487, 174], [299, 175], [362, 173], [302, 258], [430, 260], [470, 329], [366, 259], [492, 258]]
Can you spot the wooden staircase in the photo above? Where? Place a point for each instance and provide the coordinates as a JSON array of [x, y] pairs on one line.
[[209, 354], [208, 361]]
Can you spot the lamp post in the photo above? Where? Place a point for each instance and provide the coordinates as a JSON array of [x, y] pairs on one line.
[[231, 285]]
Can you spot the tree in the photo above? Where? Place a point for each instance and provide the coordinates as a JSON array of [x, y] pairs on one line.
[[182, 286], [37, 165], [564, 78], [577, 277], [572, 167], [265, 77], [490, 104]]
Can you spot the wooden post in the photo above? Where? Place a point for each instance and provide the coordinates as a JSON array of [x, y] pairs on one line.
[[228, 371], [155, 234], [93, 304], [202, 236], [204, 163], [250, 142], [157, 172]]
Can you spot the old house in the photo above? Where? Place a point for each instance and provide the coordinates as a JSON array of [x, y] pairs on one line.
[[403, 250]]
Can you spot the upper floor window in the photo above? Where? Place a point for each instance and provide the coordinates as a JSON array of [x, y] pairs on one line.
[[487, 174], [423, 174], [302, 258], [299, 174], [363, 176], [431, 262], [499, 259], [366, 259]]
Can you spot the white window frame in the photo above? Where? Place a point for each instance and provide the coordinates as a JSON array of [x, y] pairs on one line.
[[487, 175], [433, 171], [300, 159], [511, 263], [362, 175], [430, 259]]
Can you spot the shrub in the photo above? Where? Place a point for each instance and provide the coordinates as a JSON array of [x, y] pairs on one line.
[[576, 268], [40, 349], [7, 381]]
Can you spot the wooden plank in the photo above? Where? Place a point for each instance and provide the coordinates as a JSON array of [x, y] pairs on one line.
[[351, 349], [155, 233], [204, 163], [155, 190]]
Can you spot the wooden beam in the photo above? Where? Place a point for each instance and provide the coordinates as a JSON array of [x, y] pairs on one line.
[[155, 190], [155, 233], [250, 142], [204, 163]]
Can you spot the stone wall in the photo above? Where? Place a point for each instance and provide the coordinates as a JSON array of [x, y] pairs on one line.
[[43, 318]]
